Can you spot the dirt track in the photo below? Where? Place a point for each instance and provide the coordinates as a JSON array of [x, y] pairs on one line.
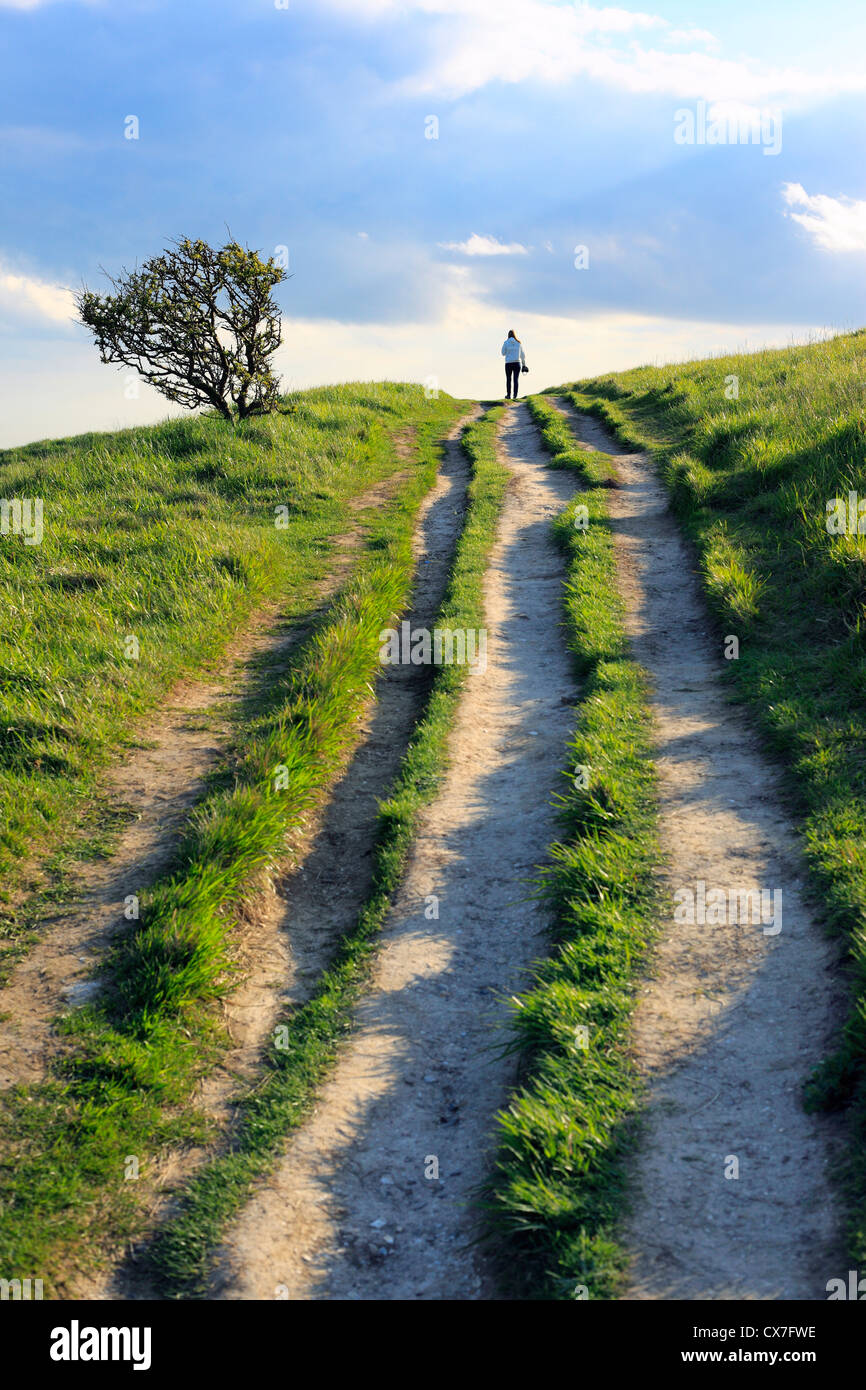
[[350, 1213], [372, 1198], [734, 1017], [291, 928]]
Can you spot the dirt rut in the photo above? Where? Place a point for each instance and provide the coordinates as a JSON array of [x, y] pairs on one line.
[[372, 1199], [735, 1015], [291, 929], [158, 783]]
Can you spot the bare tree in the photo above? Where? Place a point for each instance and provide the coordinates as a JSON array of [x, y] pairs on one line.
[[197, 323]]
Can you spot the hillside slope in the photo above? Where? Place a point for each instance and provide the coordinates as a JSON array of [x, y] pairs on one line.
[[761, 454], [156, 544]]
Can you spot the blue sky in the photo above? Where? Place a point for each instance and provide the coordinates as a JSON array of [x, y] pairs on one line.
[[307, 126]]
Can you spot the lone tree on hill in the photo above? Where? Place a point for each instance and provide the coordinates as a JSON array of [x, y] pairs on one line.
[[198, 324]]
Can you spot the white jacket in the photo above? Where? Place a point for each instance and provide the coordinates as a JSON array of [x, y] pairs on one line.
[[512, 350]]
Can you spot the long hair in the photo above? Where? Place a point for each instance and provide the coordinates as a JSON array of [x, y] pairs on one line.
[[512, 334]]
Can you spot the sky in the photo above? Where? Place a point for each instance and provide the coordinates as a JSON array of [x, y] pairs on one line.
[[620, 185]]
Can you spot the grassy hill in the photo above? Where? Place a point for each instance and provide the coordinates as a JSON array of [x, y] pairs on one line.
[[753, 449], [167, 535], [175, 535]]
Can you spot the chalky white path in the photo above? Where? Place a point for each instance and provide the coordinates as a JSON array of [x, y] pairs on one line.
[[733, 1020], [349, 1213]]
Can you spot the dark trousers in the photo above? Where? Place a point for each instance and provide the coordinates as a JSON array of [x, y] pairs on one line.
[[512, 375]]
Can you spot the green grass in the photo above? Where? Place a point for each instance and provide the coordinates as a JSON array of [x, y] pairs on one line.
[[121, 1085], [167, 535], [133, 1058], [750, 476], [557, 1189], [312, 1033]]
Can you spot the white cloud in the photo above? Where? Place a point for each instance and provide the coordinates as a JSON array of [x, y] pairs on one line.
[[35, 4], [21, 296], [738, 119], [701, 36], [485, 246], [835, 224], [607, 19], [516, 41]]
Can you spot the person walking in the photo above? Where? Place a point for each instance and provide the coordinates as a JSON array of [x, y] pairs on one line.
[[512, 351]]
